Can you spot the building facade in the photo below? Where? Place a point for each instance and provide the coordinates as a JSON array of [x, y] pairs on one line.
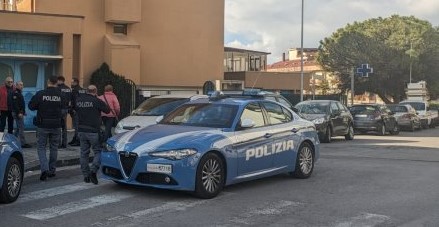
[[164, 44]]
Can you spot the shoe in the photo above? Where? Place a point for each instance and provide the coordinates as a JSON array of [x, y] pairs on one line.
[[50, 175], [87, 179], [43, 176], [93, 178], [26, 145]]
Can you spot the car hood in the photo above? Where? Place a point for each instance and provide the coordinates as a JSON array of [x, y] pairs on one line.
[[165, 137], [311, 117]]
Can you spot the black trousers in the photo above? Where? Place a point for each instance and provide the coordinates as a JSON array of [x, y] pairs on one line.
[[3, 116], [108, 122]]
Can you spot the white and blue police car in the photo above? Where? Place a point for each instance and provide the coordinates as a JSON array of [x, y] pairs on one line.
[[11, 168], [207, 144]]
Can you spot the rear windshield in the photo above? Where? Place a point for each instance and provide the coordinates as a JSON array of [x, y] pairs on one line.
[[158, 106], [313, 108], [416, 105], [398, 109], [363, 109]]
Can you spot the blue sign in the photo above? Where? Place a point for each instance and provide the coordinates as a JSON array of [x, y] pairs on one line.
[[364, 70]]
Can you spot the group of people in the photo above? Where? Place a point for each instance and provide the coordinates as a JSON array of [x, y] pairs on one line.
[[87, 110]]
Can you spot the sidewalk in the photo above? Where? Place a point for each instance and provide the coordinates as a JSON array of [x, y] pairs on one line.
[[67, 156]]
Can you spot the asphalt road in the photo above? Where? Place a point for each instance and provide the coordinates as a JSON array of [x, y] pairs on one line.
[[370, 181]]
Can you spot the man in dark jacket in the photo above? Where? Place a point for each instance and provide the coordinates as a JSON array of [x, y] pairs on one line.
[[89, 108], [6, 92], [18, 112], [68, 98], [76, 92], [49, 104]]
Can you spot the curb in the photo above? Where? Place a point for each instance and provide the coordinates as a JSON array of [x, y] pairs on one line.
[[68, 161]]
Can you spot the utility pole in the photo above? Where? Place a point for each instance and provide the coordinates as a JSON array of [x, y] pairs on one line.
[[352, 86], [301, 58]]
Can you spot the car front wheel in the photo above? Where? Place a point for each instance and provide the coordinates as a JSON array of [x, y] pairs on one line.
[[210, 176], [350, 134], [12, 181], [304, 161], [381, 129], [328, 135]]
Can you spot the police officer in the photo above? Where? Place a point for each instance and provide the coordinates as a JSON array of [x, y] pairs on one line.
[[89, 108], [68, 98], [49, 104], [76, 91]]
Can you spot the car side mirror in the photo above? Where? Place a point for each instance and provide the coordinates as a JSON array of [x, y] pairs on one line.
[[417, 113], [247, 123], [158, 119]]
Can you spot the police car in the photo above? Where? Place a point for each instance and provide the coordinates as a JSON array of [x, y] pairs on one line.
[[11, 168], [207, 144]]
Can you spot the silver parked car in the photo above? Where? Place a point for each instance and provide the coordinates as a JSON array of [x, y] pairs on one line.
[[406, 116]]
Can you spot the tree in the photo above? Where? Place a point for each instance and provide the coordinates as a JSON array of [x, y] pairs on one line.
[[390, 46]]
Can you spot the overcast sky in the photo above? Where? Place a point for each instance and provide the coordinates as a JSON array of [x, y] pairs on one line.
[[274, 25]]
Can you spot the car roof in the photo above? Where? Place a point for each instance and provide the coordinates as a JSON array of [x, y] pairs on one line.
[[317, 101]]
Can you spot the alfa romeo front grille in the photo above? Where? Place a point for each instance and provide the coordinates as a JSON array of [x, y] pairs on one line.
[[127, 160]]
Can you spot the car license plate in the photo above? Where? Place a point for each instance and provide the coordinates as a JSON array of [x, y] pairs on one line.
[[159, 168]]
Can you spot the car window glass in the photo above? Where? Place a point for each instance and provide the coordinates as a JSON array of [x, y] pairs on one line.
[[288, 115], [253, 112], [275, 113], [271, 98], [312, 108], [334, 108], [285, 102], [363, 109], [341, 107], [202, 115], [398, 109], [158, 106]]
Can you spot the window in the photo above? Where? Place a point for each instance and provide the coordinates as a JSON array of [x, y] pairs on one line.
[[253, 112], [334, 108], [342, 107], [120, 29], [285, 102], [5, 71], [275, 113], [29, 74]]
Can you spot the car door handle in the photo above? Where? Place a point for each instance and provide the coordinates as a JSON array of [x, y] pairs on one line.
[[268, 135], [294, 130]]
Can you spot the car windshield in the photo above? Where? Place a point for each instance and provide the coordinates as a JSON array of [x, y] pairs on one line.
[[363, 109], [158, 106], [416, 105], [202, 115], [398, 109], [313, 108]]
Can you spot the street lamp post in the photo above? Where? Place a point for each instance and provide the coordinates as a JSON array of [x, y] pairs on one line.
[[301, 57]]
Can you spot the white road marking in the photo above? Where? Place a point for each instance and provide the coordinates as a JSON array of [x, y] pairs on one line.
[[73, 207], [250, 217], [156, 211], [365, 220], [46, 193]]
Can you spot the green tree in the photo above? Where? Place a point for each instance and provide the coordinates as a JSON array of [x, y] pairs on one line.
[[390, 46]]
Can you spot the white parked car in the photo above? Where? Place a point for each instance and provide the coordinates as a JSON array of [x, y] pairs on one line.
[[148, 111]]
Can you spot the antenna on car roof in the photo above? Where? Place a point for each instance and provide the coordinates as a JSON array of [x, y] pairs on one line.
[[256, 81]]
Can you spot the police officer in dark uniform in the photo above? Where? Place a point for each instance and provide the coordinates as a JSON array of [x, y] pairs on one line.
[[76, 92], [89, 108], [49, 104], [68, 98]]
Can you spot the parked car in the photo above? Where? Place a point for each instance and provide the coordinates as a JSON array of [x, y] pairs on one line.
[[148, 111], [406, 116], [331, 118], [207, 144], [11, 168], [428, 117], [374, 117]]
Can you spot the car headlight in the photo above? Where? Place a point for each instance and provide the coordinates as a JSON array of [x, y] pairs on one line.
[[318, 121], [109, 148], [174, 154]]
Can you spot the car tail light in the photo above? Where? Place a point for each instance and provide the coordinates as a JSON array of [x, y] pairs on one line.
[[405, 116]]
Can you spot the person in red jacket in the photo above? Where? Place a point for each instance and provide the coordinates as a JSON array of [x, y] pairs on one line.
[[110, 120], [6, 105]]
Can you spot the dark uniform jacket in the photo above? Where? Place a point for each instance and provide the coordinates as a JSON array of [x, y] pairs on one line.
[[67, 94], [18, 102], [89, 108], [76, 92], [49, 104]]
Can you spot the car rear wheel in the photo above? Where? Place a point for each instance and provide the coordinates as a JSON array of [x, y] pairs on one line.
[[304, 162], [381, 129], [395, 130], [350, 134], [12, 181], [210, 176], [328, 135]]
